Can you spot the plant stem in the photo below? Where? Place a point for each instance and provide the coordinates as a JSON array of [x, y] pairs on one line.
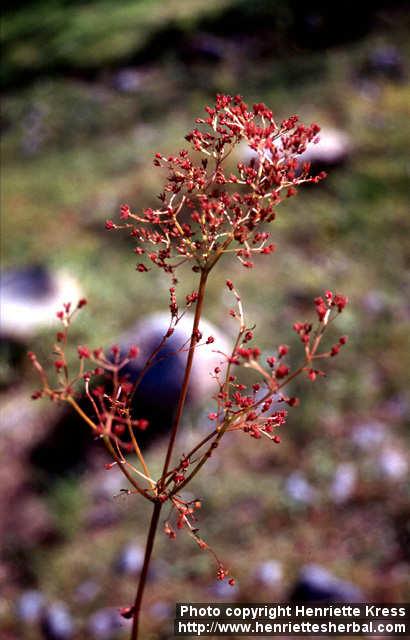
[[185, 383], [121, 465], [139, 452], [191, 453], [144, 572], [201, 462], [157, 506]]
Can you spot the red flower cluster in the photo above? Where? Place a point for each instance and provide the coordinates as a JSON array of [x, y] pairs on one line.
[[205, 209]]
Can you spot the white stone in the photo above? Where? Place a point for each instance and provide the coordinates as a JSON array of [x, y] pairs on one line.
[[344, 482], [22, 315], [393, 464], [299, 488], [270, 573]]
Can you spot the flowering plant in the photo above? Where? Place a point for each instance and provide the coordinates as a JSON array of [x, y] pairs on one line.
[[205, 212]]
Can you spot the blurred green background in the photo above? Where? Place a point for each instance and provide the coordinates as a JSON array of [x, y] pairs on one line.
[[91, 90]]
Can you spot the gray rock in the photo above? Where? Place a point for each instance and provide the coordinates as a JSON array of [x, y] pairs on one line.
[[269, 573], [222, 589], [30, 297], [57, 623], [164, 379], [130, 560], [393, 464], [104, 624], [30, 605], [344, 482], [385, 61], [368, 435], [158, 393], [333, 148], [317, 584], [204, 47], [64, 448], [299, 489], [128, 80]]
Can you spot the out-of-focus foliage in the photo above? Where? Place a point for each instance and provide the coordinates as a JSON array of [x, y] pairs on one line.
[[42, 36], [47, 34]]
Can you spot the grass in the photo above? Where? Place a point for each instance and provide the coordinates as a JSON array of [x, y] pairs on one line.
[[51, 34]]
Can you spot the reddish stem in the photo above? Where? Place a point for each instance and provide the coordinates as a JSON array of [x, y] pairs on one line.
[[185, 383], [157, 507], [144, 572]]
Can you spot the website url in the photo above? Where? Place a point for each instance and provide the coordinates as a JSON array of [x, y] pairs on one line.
[[203, 628]]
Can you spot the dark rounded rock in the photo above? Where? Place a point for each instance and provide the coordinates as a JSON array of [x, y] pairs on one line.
[[64, 447], [385, 61], [158, 393], [57, 623], [317, 584]]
